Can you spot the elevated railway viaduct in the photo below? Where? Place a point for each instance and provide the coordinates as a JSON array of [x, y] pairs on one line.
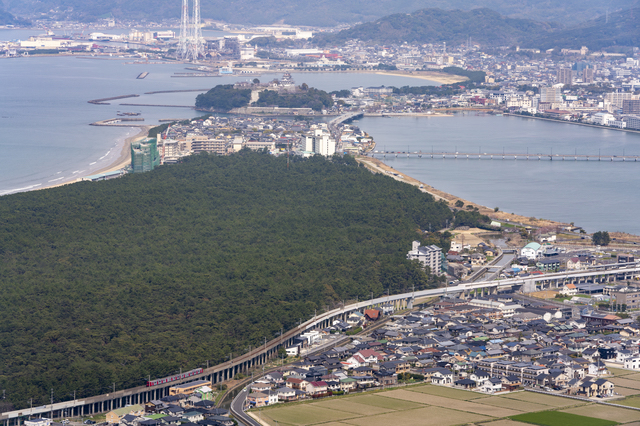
[[259, 356]]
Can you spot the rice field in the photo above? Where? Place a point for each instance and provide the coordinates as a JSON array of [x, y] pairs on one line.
[[442, 406], [555, 418], [620, 415]]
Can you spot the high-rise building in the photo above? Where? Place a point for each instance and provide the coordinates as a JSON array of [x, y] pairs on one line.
[[550, 95], [617, 98], [631, 106], [319, 142], [587, 75], [430, 256], [565, 76], [145, 155]]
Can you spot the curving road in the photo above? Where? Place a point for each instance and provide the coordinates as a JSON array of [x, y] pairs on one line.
[[237, 409]]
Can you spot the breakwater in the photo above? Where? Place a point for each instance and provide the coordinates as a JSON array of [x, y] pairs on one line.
[[176, 91], [104, 101], [165, 106]]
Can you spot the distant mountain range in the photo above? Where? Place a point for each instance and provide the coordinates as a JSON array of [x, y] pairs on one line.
[[484, 26], [617, 29], [487, 27], [7, 18], [315, 12]]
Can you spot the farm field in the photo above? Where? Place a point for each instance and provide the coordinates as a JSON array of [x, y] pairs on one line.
[[555, 418], [435, 405], [620, 415]]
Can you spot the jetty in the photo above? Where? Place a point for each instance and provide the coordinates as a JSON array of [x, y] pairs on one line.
[[104, 101], [176, 91], [165, 106], [455, 155]]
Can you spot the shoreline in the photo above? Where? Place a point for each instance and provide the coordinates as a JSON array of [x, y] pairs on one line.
[[123, 159], [378, 166], [594, 126], [626, 241]]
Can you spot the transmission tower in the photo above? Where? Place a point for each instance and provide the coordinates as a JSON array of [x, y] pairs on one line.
[[191, 43], [185, 31], [196, 46]]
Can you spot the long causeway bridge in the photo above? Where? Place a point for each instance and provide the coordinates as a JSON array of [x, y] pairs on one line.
[[452, 155], [259, 356]]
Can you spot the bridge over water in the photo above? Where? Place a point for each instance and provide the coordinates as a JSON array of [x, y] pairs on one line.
[[259, 356], [452, 155]]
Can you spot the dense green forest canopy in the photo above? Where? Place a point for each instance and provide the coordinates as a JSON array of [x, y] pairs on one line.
[[115, 281], [313, 13], [475, 76], [224, 98], [444, 90], [309, 98]]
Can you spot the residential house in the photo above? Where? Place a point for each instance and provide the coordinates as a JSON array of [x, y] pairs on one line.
[[442, 376], [258, 399], [114, 416]]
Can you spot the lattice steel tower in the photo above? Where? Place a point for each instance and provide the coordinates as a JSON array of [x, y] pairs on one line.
[[196, 49], [185, 31], [191, 43]]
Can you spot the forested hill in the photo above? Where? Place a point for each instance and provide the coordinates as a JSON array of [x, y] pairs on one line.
[[454, 27], [315, 12], [617, 29], [115, 281], [8, 19], [488, 28]]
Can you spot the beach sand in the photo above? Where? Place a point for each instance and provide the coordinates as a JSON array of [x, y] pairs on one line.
[[439, 77], [123, 159]]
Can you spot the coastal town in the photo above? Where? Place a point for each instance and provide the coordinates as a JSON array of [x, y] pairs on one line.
[[531, 315], [581, 86]]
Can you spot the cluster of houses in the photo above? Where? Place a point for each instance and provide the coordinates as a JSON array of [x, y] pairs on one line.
[[463, 258], [489, 345], [187, 404], [539, 258]]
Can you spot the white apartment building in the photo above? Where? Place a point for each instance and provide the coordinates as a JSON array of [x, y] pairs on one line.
[[430, 256], [319, 142]]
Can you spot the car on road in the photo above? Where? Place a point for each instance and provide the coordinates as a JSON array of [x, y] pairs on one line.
[[89, 422]]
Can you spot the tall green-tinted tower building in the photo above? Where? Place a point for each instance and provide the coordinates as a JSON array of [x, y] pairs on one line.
[[145, 155]]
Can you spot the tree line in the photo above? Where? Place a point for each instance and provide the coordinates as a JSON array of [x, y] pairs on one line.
[[122, 280]]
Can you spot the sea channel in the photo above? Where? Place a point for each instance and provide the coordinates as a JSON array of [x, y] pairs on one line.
[[45, 139]]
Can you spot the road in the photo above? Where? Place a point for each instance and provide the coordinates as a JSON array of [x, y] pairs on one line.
[[237, 404], [237, 409]]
